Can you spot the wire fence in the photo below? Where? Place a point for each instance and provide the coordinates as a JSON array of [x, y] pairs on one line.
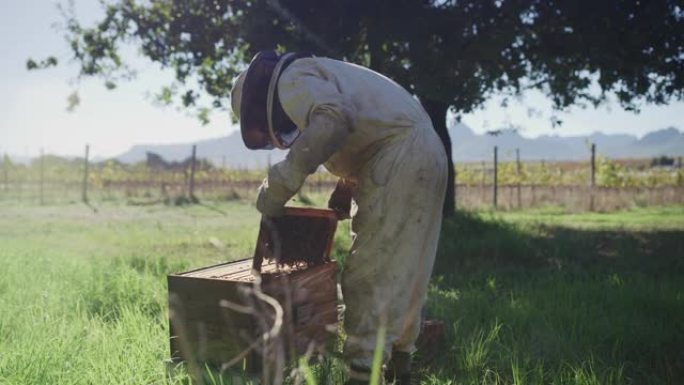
[[572, 198], [599, 184]]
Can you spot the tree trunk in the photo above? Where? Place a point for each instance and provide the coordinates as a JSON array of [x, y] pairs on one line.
[[438, 111]]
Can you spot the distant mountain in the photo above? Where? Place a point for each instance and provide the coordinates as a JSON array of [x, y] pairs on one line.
[[228, 150], [26, 160], [467, 147], [17, 159]]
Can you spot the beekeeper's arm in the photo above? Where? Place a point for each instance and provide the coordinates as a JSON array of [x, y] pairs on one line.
[[315, 105]]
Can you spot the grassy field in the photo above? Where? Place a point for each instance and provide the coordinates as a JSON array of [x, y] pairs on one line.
[[654, 218], [539, 297]]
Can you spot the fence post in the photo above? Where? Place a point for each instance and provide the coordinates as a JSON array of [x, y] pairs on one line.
[[496, 169], [455, 188], [519, 174], [593, 177], [84, 195], [42, 175], [5, 169], [484, 175], [192, 173]]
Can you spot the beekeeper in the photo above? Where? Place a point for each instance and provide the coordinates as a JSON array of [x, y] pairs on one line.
[[377, 138]]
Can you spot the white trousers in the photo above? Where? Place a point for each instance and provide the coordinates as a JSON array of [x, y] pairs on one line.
[[396, 231]]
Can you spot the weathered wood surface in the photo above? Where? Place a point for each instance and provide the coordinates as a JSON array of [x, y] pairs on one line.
[[206, 328]]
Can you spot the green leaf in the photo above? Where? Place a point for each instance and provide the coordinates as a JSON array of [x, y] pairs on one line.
[[73, 100]]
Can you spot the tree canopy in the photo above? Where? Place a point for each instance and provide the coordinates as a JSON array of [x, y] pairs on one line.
[[457, 52], [450, 53]]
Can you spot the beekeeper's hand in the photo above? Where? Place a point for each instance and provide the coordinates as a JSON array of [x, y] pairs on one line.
[[340, 199], [266, 204]]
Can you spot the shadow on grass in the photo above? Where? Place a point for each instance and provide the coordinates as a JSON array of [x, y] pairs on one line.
[[540, 304], [470, 244]]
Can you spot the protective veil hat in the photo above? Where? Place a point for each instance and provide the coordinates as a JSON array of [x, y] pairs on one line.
[[254, 99], [236, 93]]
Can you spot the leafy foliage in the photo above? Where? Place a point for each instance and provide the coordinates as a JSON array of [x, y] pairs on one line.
[[455, 52]]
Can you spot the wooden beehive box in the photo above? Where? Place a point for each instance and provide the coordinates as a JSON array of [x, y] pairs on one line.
[[217, 316]]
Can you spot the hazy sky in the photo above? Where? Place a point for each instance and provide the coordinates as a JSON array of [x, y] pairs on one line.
[[33, 104]]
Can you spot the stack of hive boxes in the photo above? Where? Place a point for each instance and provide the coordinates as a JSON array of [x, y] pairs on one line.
[[222, 314]]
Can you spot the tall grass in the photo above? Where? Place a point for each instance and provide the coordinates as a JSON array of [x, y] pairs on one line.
[[83, 296], [68, 320], [536, 304]]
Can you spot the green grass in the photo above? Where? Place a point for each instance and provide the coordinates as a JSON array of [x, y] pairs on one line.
[[528, 298], [83, 294], [546, 297], [651, 218]]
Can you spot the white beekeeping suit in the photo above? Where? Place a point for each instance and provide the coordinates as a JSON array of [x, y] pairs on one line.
[[367, 129]]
